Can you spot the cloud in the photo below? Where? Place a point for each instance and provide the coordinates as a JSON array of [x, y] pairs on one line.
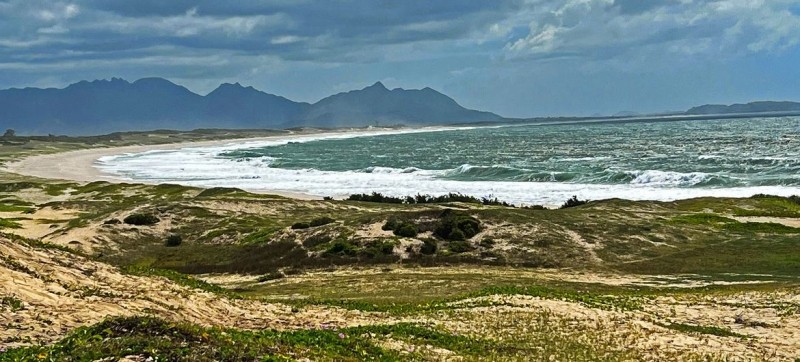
[[601, 29], [419, 42]]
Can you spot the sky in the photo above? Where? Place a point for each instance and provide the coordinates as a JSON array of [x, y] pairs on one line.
[[517, 58]]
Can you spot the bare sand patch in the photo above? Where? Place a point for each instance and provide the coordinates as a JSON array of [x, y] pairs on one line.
[[788, 221]]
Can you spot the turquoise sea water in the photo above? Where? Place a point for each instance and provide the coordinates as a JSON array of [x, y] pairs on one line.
[[523, 164]]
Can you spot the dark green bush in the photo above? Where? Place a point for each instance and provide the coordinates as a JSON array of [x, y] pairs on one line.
[[534, 207], [427, 199], [459, 246], [428, 247], [375, 248], [317, 239], [141, 219], [375, 197], [390, 224], [321, 221], [173, 240], [11, 302], [573, 201], [341, 247], [456, 234], [269, 276], [300, 225], [407, 230], [456, 226], [487, 243]]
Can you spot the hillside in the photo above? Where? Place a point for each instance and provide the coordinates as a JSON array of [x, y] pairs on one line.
[[105, 106]]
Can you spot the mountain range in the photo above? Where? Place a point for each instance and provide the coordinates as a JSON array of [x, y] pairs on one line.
[[104, 106]]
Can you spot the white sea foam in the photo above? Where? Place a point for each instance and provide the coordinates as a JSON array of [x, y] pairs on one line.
[[668, 178], [201, 167]]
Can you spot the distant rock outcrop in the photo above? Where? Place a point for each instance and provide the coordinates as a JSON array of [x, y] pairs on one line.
[[104, 106]]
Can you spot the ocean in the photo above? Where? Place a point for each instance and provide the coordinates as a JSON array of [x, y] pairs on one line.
[[522, 164]]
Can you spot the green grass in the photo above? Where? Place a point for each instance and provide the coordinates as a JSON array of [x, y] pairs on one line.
[[702, 219], [9, 224], [778, 254], [391, 302], [11, 303], [36, 243], [538, 336], [691, 328], [734, 226], [14, 205], [771, 206], [162, 340]]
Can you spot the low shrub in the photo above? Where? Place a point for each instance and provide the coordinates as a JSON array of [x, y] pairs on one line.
[[428, 247], [534, 207], [321, 221], [456, 234], [456, 226], [375, 197], [376, 248], [459, 246], [11, 302], [270, 276], [112, 222], [141, 219], [390, 224], [428, 199], [406, 230], [317, 239], [173, 240], [573, 201], [300, 225], [341, 247]]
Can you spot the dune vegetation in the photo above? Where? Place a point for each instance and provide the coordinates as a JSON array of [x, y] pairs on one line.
[[99, 270]]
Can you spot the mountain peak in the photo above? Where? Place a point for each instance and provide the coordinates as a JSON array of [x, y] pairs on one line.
[[233, 88], [377, 86], [154, 81]]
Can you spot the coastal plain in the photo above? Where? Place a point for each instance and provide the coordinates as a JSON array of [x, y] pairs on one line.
[[93, 270]]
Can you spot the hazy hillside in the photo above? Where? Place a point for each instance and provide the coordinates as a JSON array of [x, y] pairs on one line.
[[104, 106], [752, 107]]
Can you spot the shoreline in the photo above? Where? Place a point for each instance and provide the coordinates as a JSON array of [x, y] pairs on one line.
[[80, 165]]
